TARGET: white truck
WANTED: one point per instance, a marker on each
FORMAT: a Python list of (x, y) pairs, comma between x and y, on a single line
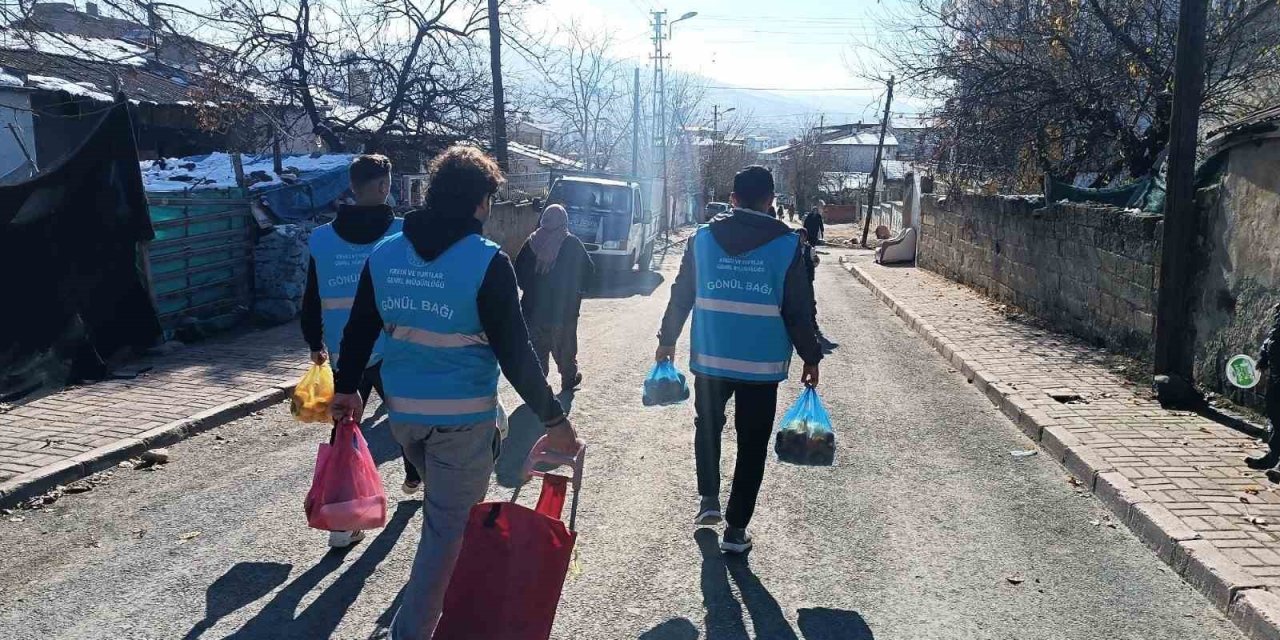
[(612, 218)]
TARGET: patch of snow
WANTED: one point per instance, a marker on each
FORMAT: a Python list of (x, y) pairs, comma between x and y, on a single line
[(73, 46), (7, 80), (214, 171), (83, 89)]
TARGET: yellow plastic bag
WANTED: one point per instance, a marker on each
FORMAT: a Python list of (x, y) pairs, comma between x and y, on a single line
[(313, 394)]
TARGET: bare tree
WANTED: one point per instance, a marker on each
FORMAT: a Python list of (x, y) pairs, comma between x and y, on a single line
[(1070, 86), (584, 87), (373, 68)]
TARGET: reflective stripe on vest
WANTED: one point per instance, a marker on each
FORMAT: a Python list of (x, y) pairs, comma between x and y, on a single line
[(741, 366), (742, 308), (738, 332), (432, 339), (448, 406), (338, 267), (331, 304), (437, 367)]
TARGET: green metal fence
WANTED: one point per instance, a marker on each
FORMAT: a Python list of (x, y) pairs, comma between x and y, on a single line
[(201, 262)]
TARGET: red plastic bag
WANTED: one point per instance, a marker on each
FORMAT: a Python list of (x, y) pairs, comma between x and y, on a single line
[(346, 492)]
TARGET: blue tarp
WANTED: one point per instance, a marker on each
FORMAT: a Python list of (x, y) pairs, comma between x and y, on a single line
[(313, 191)]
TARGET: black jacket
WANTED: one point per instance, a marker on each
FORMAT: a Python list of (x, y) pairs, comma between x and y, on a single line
[(498, 303), (554, 298), (738, 232), (814, 224), (357, 225)]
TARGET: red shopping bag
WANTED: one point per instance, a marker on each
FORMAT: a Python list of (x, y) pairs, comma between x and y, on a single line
[(346, 492), (506, 585)]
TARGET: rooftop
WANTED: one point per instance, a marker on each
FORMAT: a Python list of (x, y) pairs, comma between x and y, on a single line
[(542, 156)]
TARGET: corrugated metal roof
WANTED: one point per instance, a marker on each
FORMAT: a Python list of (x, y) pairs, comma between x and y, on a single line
[(152, 82)]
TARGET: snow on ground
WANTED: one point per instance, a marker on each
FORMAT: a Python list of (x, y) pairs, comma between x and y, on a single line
[(85, 89), (64, 44), (7, 80), (214, 171)]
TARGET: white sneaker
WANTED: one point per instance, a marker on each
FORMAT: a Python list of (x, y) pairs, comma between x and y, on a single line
[(344, 539), (410, 488)]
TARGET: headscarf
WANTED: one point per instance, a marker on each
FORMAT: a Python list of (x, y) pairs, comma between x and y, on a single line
[(552, 230)]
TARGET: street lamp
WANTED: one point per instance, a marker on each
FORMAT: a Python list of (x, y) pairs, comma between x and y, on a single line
[(691, 14)]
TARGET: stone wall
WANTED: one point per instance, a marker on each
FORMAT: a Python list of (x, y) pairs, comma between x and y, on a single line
[(1085, 269), (510, 224), (1240, 279)]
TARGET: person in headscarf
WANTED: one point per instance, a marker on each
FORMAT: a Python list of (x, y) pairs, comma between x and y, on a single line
[(553, 269)]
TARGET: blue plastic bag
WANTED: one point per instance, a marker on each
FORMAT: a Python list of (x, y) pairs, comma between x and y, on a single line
[(805, 436), (665, 385)]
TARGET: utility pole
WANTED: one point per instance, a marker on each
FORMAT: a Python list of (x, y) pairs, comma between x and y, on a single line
[(635, 127), (499, 96), (875, 169), (1173, 335), (660, 107)]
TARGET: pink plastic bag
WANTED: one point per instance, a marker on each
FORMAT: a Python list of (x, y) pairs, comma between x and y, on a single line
[(346, 492)]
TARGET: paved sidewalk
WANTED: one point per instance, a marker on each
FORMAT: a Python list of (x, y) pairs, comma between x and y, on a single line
[(1175, 478), (81, 430)]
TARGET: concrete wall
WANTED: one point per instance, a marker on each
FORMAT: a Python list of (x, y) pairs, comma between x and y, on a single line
[(510, 224), (1087, 270), (1241, 278)]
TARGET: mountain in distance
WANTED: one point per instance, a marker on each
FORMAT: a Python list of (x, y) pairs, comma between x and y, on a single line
[(781, 115)]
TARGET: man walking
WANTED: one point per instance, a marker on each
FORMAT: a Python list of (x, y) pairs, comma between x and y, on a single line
[(447, 300), (814, 224), (338, 252), (744, 279), (553, 269)]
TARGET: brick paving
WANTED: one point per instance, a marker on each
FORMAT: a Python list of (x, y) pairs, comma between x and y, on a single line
[(1175, 470), (56, 428)]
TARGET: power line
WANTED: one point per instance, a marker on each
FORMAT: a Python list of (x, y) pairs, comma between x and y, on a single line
[(788, 89)]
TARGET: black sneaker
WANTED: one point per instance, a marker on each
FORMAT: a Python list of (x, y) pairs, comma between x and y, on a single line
[(576, 382), (709, 512), (1267, 460), (735, 541)]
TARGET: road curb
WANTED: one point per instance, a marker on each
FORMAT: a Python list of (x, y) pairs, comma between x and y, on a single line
[(1236, 592), (34, 483)]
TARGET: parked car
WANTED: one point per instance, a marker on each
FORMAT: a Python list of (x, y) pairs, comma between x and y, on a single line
[(714, 209), (611, 218)]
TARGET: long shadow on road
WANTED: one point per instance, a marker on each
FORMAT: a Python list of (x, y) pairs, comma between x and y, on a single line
[(724, 613), (322, 617)]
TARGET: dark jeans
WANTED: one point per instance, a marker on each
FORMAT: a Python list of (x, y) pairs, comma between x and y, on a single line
[(559, 342), (371, 380), (755, 405)]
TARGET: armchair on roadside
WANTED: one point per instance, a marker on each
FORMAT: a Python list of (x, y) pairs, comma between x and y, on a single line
[(902, 246)]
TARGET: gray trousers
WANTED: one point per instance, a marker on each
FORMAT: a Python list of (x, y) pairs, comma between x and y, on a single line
[(455, 463)]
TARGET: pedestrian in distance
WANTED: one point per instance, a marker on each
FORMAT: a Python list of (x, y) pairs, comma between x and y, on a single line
[(554, 269), (811, 264), (815, 226), (744, 279), (447, 300), (338, 252)]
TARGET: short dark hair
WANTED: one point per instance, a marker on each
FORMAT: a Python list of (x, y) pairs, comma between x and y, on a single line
[(754, 187), (461, 178), (367, 168)]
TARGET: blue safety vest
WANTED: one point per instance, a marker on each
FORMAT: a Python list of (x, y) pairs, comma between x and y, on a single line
[(338, 267), (437, 367), (738, 331)]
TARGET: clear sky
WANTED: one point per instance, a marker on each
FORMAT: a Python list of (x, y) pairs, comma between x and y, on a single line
[(802, 45)]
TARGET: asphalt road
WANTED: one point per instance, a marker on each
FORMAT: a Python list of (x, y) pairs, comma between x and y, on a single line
[(914, 534)]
